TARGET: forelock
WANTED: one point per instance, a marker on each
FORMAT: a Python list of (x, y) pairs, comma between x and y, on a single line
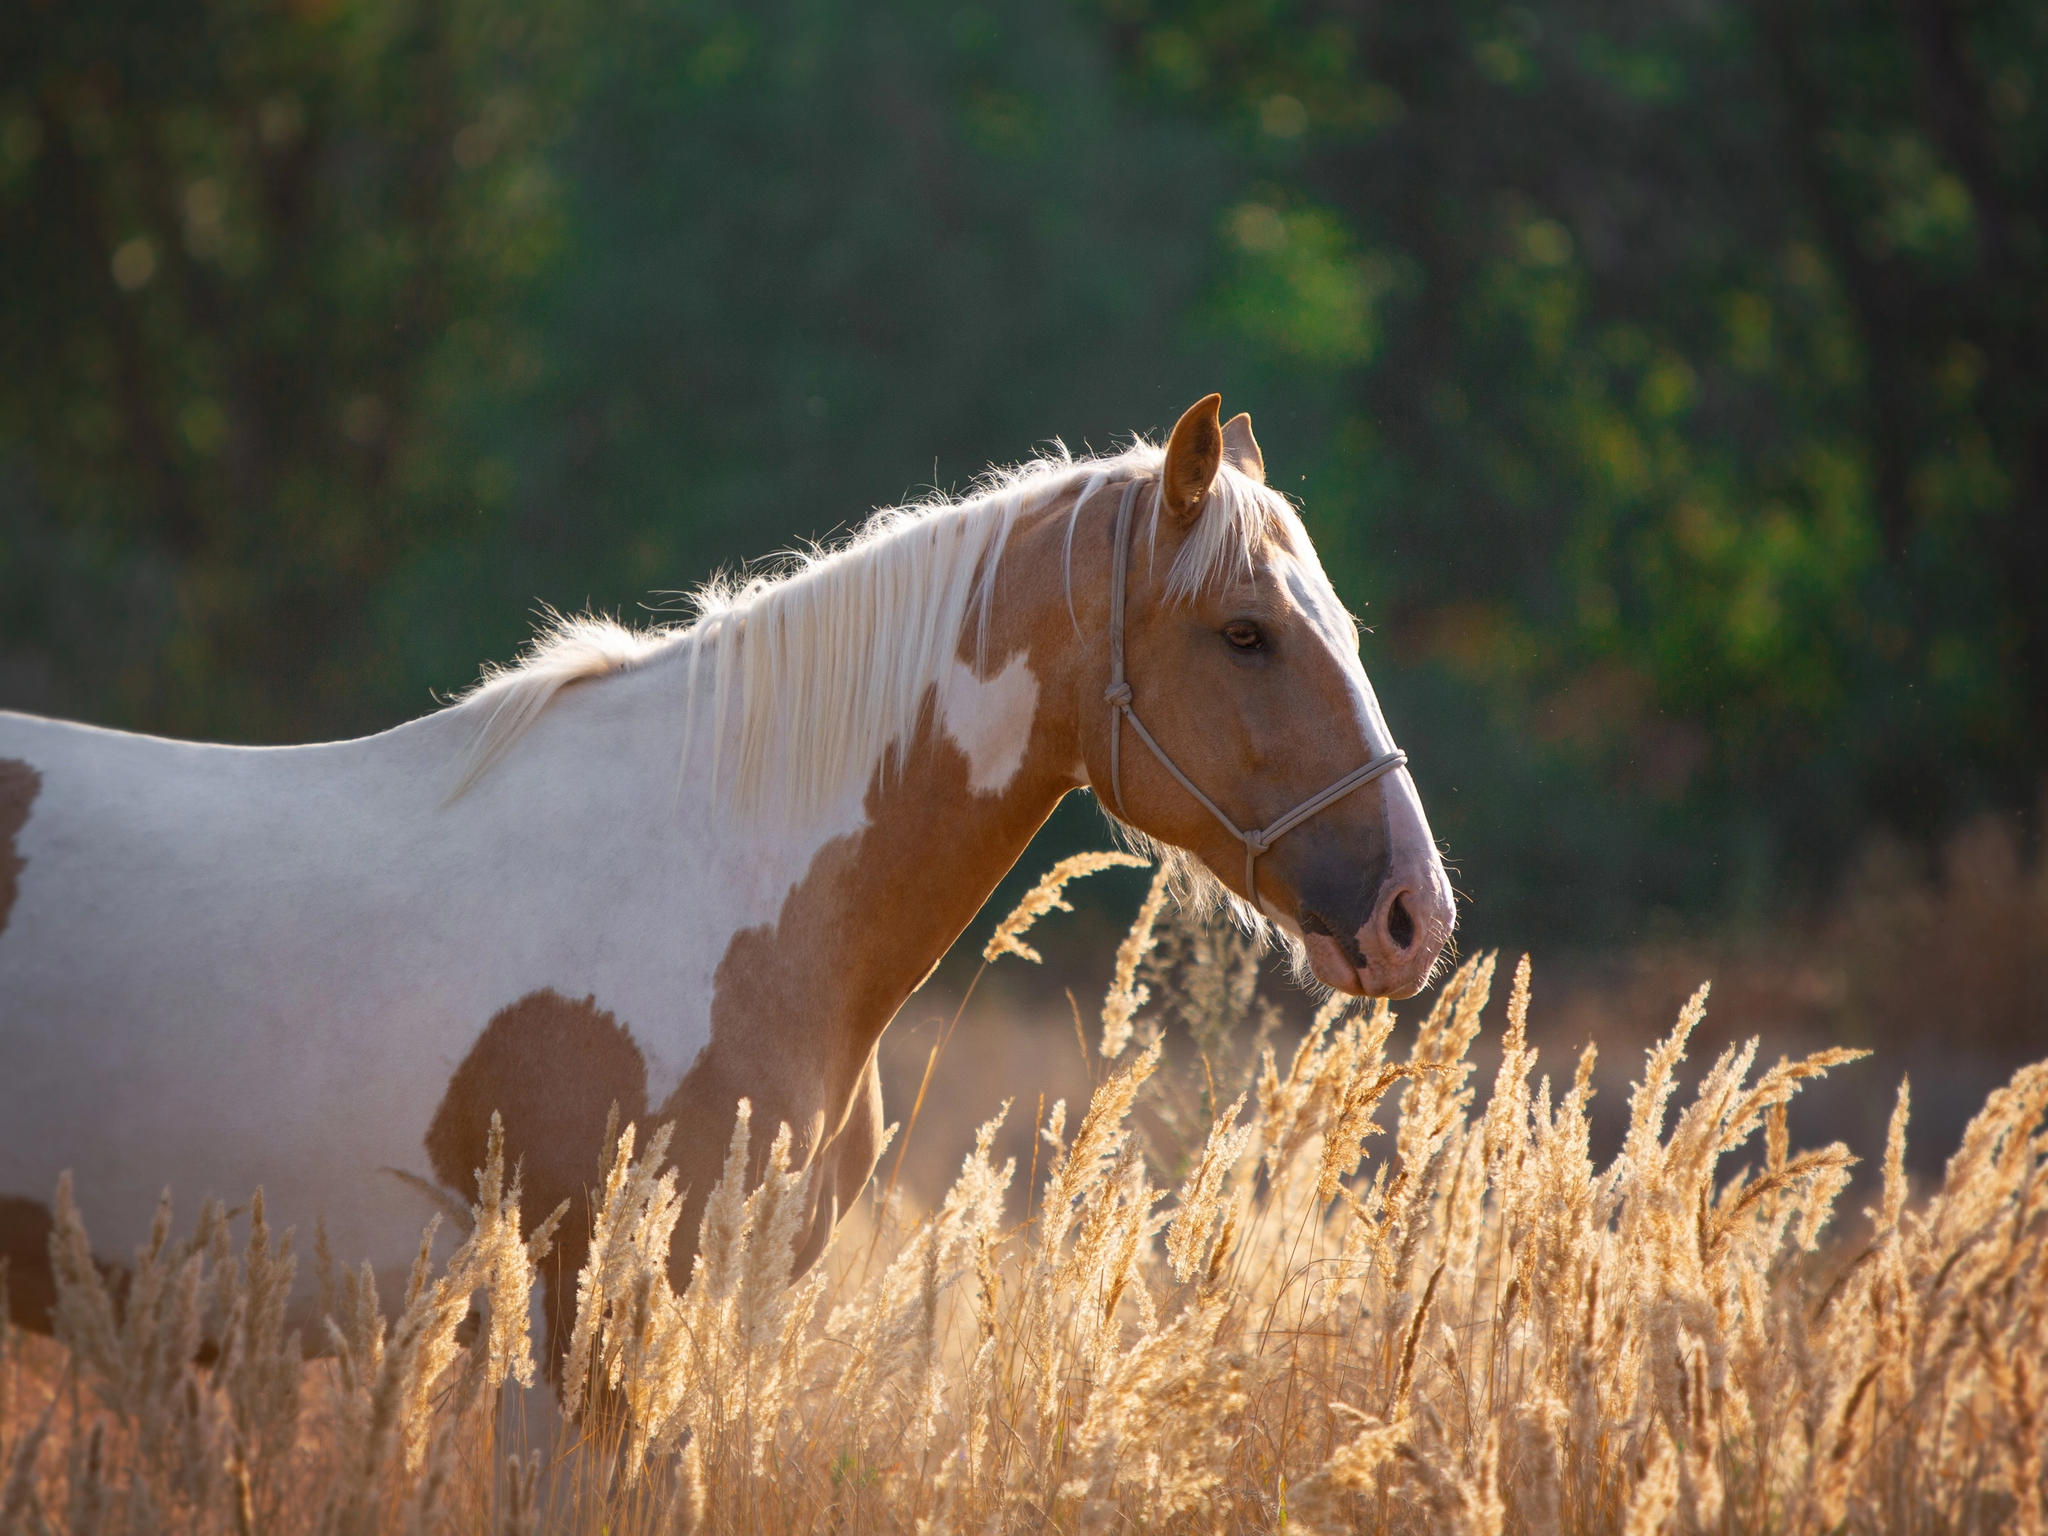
[(1239, 517)]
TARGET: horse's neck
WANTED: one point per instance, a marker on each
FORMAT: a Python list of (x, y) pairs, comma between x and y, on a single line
[(881, 899), (831, 917)]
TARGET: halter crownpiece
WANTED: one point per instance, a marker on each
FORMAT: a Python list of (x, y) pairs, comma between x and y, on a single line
[(1118, 697)]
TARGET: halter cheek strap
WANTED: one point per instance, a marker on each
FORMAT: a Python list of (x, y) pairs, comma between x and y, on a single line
[(1118, 697)]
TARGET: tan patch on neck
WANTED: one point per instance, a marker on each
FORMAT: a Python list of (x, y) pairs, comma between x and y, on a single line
[(552, 1069), (799, 1006), (19, 786)]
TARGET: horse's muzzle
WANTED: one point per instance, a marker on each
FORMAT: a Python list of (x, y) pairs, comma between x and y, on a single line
[(1393, 953)]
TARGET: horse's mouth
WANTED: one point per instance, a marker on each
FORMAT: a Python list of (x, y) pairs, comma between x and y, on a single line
[(1333, 955)]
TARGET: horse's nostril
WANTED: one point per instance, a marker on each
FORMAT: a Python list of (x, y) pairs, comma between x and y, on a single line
[(1401, 922)]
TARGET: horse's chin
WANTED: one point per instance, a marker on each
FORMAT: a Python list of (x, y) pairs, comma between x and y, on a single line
[(1330, 966)]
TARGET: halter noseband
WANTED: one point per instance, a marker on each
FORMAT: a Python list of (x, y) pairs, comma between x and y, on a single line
[(1118, 697)]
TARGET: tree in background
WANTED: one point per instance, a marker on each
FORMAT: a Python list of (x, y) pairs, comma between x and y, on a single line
[(254, 293), (341, 334), (1687, 372)]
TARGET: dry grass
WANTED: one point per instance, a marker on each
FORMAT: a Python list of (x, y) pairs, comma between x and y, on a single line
[(1237, 1302), (1955, 944), (1938, 963)]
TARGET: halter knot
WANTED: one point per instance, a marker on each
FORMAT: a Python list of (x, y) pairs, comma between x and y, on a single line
[(1117, 695), (1257, 842)]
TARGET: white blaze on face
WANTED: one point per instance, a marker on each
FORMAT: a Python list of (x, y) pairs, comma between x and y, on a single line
[(1412, 847), (990, 721), (1313, 595)]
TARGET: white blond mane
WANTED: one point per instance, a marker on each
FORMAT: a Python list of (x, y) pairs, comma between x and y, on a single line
[(829, 657)]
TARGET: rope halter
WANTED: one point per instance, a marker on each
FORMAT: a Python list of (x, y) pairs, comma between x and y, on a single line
[(1118, 697)]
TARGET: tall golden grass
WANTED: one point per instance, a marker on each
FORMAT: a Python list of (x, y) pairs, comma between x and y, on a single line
[(1237, 1302)]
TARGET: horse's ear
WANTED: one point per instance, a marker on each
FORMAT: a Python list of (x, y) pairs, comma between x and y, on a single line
[(1193, 454), (1242, 449)]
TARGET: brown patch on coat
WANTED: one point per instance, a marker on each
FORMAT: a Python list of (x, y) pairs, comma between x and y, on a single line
[(552, 1069), (25, 1227), (19, 786), (799, 1006)]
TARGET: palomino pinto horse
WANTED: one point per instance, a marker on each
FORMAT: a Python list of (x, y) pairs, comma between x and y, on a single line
[(668, 870)]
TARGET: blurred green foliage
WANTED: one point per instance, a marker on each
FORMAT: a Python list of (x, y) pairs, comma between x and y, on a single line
[(1665, 383), (1694, 371)]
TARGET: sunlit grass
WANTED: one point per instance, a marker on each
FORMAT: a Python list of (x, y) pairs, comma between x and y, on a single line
[(1239, 1302)]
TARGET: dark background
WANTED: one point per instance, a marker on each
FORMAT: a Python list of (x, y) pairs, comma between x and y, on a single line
[(1664, 383)]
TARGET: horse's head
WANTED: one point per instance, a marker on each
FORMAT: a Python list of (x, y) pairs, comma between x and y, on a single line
[(1242, 669)]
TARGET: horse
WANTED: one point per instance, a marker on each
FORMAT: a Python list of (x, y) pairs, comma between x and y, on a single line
[(666, 869)]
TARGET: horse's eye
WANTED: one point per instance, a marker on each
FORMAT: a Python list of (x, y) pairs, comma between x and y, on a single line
[(1245, 635)]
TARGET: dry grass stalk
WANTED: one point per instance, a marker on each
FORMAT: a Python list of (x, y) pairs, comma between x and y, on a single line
[(1049, 896), (1127, 994)]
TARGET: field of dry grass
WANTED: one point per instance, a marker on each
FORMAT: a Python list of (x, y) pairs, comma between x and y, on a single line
[(1260, 1282)]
